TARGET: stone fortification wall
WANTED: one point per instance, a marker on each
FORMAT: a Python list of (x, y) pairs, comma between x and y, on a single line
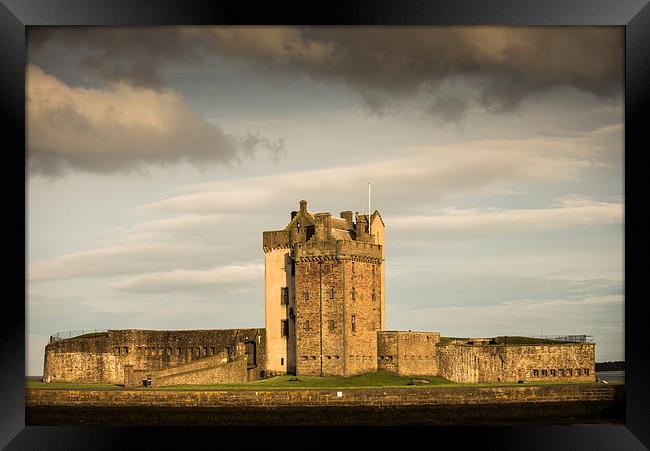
[(337, 316), (102, 359), (324, 397), (407, 353), (221, 372), (512, 362)]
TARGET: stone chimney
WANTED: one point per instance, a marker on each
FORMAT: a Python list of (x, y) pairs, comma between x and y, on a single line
[(362, 227), (323, 226), (303, 207), (347, 215)]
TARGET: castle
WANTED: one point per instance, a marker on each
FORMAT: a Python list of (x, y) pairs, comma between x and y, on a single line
[(324, 285)]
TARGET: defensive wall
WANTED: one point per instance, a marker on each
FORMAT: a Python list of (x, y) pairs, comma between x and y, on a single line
[(120, 356), (408, 353), (550, 404), (478, 363)]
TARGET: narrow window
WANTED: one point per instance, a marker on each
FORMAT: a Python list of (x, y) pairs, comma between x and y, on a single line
[(284, 295), (552, 373), (354, 323), (561, 372), (373, 298), (293, 267), (331, 293), (189, 351), (284, 327), (212, 350), (306, 294), (577, 371), (126, 350), (332, 325), (585, 371), (198, 352), (281, 361), (569, 372), (544, 373), (535, 373), (307, 326), (353, 293), (117, 351)]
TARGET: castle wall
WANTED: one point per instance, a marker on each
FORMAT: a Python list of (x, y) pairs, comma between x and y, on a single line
[(361, 351), (102, 359), (407, 353), (275, 278), (233, 372), (511, 363)]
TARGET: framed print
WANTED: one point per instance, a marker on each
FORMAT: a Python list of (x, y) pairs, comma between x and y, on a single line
[(379, 214)]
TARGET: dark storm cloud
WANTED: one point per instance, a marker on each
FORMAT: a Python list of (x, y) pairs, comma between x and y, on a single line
[(500, 66)]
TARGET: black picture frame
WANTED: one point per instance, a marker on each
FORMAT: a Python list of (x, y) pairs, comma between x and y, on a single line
[(634, 15)]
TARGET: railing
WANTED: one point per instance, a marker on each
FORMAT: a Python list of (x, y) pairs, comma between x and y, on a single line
[(568, 338), (74, 333)]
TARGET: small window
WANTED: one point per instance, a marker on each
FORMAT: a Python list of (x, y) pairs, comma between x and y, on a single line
[(281, 361), (198, 352), (585, 371), (354, 323), (544, 373), (577, 371), (284, 295), (354, 292), (126, 350), (307, 325), (212, 350), (331, 293), (190, 351), (569, 372), (561, 372), (552, 373), (284, 327), (535, 373), (373, 298), (306, 295), (117, 350)]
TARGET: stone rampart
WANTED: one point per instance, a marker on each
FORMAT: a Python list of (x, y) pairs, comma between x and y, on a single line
[(319, 397), (222, 372), (107, 358), (513, 362), (407, 353)]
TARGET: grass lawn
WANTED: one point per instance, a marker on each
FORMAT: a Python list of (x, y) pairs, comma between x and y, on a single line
[(31, 383)]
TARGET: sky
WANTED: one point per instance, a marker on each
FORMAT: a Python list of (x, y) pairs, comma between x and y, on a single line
[(158, 156)]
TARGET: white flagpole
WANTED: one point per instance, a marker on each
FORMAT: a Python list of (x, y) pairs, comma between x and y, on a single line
[(369, 210)]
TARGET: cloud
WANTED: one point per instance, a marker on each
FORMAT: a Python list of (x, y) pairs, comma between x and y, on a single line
[(422, 174), (495, 68), (473, 222), (191, 280), (121, 127)]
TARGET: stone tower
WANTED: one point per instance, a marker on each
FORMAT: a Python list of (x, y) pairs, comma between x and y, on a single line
[(324, 293)]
